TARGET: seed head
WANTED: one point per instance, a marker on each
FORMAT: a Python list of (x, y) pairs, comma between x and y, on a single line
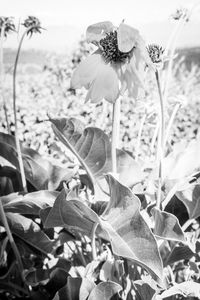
[(33, 24), (6, 25), (180, 13), (156, 54)]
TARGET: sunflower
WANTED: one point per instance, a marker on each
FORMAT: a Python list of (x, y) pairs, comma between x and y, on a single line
[(117, 65)]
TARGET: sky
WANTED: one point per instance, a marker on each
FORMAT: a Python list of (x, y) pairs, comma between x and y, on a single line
[(76, 15)]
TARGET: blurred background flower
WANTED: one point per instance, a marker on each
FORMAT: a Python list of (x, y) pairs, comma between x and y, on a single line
[(6, 25)]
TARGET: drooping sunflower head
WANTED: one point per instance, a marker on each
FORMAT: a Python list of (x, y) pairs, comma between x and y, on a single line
[(118, 65), (115, 43)]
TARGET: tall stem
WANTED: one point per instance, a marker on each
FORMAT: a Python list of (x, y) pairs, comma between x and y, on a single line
[(137, 151), (161, 141), (175, 110), (93, 242), (115, 133), (170, 51), (2, 79), (19, 153), (154, 138)]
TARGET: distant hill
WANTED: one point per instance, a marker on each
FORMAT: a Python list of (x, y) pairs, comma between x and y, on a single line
[(40, 57), (192, 55), (31, 56)]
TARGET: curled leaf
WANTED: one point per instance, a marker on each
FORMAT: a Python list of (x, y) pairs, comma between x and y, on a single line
[(129, 234)]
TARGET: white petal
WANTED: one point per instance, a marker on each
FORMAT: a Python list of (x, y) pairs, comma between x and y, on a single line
[(126, 37), (97, 31), (105, 86), (137, 72), (86, 71)]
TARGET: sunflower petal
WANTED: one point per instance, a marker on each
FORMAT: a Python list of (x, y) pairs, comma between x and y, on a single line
[(127, 82), (86, 71), (137, 72), (126, 37), (105, 86), (97, 31)]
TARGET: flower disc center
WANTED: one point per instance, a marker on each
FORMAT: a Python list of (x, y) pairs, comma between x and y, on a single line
[(110, 51)]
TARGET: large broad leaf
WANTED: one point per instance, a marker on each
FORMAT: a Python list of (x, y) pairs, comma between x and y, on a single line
[(144, 290), (167, 225), (30, 232), (9, 180), (76, 289), (39, 171), (35, 277), (186, 289), (112, 270), (183, 161), (179, 253), (71, 213), (93, 149), (129, 234), (191, 198), (30, 203), (105, 291)]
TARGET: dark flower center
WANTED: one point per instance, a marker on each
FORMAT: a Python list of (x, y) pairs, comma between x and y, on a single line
[(110, 51)]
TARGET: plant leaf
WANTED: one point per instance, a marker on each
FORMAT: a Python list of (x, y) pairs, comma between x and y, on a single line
[(39, 171), (30, 203), (36, 277), (9, 180), (71, 213), (76, 289), (167, 225), (129, 234), (30, 232), (179, 253), (58, 279), (183, 161), (105, 291), (191, 199), (144, 289), (93, 149), (186, 289)]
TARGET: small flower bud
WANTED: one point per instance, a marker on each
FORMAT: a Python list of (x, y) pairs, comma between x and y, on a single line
[(6, 25), (33, 24), (156, 54)]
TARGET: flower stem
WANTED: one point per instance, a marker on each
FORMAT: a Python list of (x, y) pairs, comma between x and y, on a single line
[(19, 153), (10, 237), (175, 110), (171, 51), (2, 79), (154, 138), (160, 142), (93, 243), (139, 136), (115, 133)]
